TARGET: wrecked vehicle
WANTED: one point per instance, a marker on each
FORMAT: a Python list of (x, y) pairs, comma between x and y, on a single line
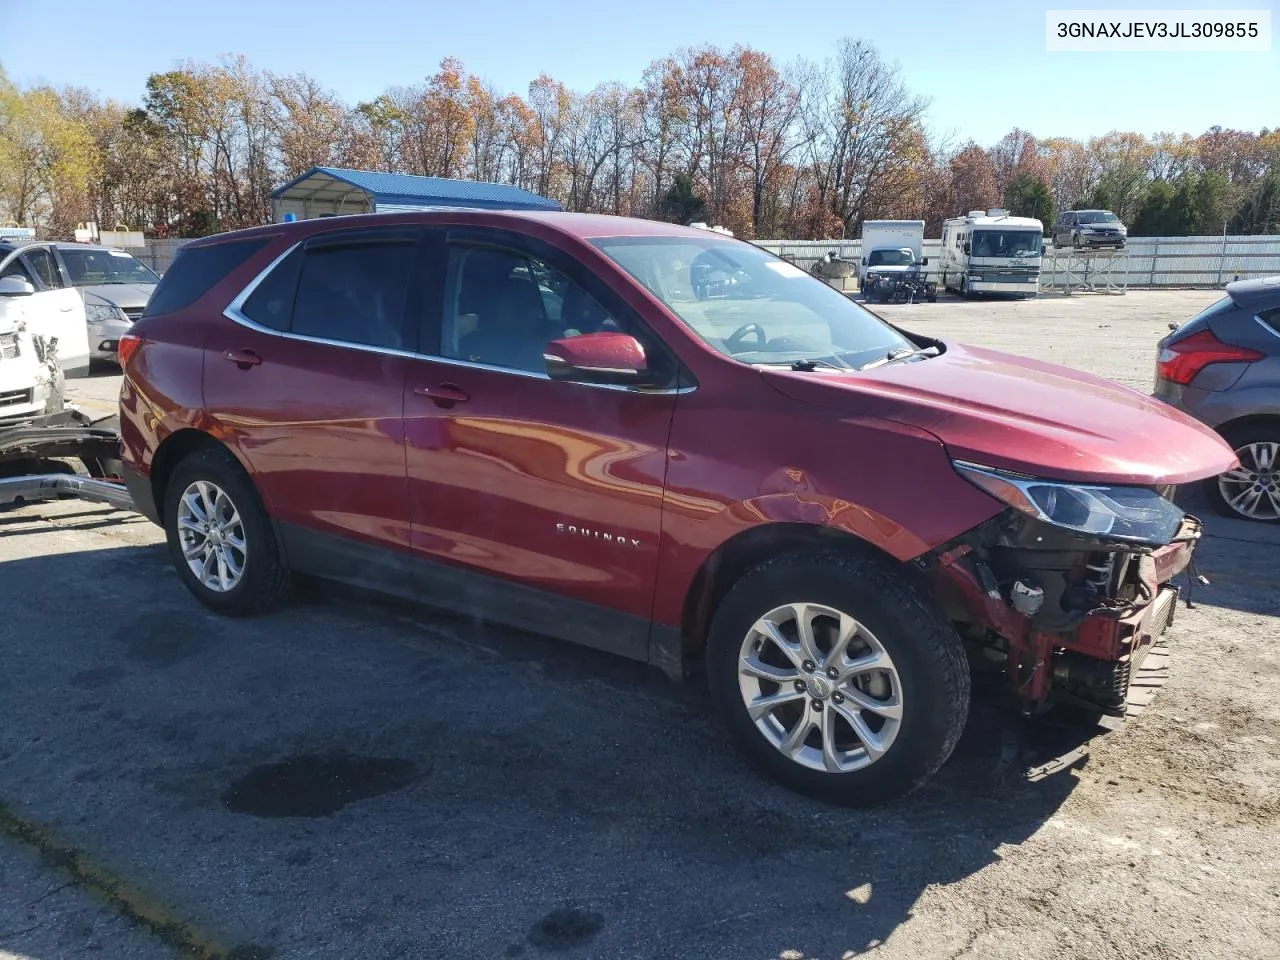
[(760, 481), (48, 449), (31, 379)]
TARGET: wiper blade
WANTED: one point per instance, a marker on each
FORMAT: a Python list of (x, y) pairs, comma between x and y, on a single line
[(901, 353), (805, 366)]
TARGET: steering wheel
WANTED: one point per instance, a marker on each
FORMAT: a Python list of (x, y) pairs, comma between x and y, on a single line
[(734, 340)]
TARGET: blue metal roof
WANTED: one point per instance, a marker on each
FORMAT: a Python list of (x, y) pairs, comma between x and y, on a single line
[(399, 189)]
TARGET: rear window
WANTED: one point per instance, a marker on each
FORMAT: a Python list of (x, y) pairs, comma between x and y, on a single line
[(1205, 318), (196, 269)]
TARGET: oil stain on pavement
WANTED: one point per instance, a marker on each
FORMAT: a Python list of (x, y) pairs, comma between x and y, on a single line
[(315, 785), (565, 928)]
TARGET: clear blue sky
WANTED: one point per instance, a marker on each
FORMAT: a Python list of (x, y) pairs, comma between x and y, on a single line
[(1005, 79)]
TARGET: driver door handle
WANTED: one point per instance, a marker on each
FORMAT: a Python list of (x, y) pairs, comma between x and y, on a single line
[(444, 395), (244, 359)]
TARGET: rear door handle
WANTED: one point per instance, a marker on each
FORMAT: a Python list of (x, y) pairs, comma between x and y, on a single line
[(444, 395), (244, 359)]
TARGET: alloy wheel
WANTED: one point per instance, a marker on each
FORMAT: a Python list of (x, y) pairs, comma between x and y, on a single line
[(820, 687), (212, 536), (1253, 488)]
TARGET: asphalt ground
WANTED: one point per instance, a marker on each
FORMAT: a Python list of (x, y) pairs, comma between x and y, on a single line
[(349, 778)]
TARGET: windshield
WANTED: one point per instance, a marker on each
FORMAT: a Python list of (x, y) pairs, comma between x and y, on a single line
[(891, 258), (751, 305), (89, 268), (1006, 243), (1097, 216)]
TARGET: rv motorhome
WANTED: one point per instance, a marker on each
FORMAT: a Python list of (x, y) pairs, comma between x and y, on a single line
[(992, 252)]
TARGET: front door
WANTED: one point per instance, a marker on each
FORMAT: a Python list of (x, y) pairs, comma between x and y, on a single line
[(306, 378), (538, 502), (54, 311)]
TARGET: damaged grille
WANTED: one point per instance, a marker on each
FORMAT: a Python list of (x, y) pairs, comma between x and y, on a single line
[(8, 346)]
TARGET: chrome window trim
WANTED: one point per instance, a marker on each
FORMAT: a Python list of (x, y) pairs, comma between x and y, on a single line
[(1266, 326), (234, 312)]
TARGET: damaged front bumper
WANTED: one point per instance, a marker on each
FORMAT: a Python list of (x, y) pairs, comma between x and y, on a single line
[(1065, 619), (67, 434)]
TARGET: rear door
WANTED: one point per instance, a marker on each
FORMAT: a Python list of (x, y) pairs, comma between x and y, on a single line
[(55, 310), (306, 377)]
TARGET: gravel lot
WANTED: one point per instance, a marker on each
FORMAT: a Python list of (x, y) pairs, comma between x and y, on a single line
[(348, 779)]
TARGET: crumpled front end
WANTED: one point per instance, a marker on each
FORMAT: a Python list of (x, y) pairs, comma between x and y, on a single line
[(1065, 617)]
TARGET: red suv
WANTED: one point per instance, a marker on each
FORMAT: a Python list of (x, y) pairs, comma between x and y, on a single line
[(671, 445)]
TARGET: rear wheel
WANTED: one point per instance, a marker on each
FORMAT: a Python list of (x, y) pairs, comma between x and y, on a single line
[(1252, 490), (220, 538), (837, 678)]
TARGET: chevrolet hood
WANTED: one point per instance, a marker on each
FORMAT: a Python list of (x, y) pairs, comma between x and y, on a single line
[(1019, 414)]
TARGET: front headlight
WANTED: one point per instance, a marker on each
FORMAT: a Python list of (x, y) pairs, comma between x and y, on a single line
[(102, 312), (1124, 513)]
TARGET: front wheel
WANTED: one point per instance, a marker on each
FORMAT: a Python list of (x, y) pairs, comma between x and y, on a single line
[(837, 677), (220, 538)]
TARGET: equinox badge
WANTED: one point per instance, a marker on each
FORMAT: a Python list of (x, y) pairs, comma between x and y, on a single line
[(597, 535)]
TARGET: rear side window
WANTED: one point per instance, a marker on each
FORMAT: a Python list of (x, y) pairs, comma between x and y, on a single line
[(271, 303), (352, 289), (195, 270)]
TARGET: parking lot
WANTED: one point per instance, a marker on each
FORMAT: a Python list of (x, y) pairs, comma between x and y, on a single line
[(353, 779)]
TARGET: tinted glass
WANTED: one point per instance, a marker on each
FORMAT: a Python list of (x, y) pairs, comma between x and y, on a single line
[(891, 258), (92, 267), (16, 268), (45, 268), (1098, 216), (1271, 320), (271, 303), (751, 305), (503, 307), (1006, 243), (353, 291), (195, 270)]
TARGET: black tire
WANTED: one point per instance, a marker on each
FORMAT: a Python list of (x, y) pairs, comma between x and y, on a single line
[(926, 652), (264, 583), (1239, 438)]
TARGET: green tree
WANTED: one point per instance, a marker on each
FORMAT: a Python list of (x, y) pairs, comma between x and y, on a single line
[(1158, 214), (1028, 196), (681, 204)]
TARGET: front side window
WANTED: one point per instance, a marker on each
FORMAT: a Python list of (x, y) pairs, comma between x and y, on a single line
[(1006, 243), (751, 305), (16, 268), (353, 289), (45, 268), (502, 307), (88, 268)]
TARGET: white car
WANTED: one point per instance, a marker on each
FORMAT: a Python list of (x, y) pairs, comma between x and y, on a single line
[(43, 334)]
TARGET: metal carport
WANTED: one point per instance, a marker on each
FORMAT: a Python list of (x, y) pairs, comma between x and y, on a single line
[(334, 191)]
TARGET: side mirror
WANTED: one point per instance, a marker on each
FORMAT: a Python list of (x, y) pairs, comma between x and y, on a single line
[(966, 246), (864, 261), (924, 261), (15, 287), (601, 358), (1043, 249)]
